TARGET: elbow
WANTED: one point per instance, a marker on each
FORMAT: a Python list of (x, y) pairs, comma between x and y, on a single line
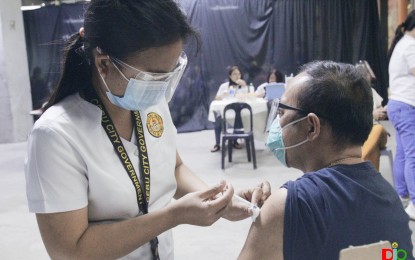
[(75, 253), (61, 254), (70, 251)]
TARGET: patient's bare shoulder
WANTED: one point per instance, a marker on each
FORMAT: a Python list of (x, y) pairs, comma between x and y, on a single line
[(265, 238)]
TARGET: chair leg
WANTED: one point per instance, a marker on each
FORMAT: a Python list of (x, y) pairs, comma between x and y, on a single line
[(390, 159), (253, 152), (223, 154), (230, 146), (248, 149)]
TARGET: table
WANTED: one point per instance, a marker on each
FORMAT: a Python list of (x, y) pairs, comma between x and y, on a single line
[(259, 114)]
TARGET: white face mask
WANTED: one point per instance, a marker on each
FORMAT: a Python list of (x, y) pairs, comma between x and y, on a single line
[(147, 89)]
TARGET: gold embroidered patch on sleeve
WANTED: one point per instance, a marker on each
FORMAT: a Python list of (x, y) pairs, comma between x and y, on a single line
[(155, 124)]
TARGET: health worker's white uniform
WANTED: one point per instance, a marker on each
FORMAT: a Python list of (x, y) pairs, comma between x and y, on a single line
[(71, 164)]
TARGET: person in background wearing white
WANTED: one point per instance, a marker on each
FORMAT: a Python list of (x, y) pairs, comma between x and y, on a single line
[(378, 136), (102, 166), (401, 109), (238, 85), (273, 76)]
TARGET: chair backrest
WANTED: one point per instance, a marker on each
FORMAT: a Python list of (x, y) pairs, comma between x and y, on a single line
[(237, 108), (274, 90), (364, 252)]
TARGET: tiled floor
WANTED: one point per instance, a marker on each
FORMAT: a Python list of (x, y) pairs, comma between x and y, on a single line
[(20, 239)]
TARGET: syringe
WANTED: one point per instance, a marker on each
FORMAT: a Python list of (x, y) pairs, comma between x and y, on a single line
[(255, 209)]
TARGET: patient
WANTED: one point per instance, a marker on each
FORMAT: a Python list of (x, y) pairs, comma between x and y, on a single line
[(323, 119)]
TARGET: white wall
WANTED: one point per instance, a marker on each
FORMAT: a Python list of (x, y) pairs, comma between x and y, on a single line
[(15, 96)]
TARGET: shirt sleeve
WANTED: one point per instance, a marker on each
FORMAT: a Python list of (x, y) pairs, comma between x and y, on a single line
[(377, 99), (56, 179), (222, 88), (410, 56), (261, 89), (304, 226), (244, 89)]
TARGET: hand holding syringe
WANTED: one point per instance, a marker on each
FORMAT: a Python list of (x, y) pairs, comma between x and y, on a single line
[(255, 209), (241, 205)]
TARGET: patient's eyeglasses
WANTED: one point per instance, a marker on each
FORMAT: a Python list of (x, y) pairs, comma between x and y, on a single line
[(274, 111), (277, 104)]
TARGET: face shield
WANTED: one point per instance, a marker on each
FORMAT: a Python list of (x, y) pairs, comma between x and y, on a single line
[(274, 112), (171, 78)]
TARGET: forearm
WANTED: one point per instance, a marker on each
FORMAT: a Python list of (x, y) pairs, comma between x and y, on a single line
[(107, 241), (187, 181)]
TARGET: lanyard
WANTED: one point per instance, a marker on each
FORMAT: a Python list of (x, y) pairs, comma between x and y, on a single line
[(143, 198)]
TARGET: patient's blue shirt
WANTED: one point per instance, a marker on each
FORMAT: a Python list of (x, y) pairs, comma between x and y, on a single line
[(344, 205)]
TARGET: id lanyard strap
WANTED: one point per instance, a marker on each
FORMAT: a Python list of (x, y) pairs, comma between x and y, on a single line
[(144, 164)]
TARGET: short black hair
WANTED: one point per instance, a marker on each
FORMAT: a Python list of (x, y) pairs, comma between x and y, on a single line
[(230, 70), (278, 75), (342, 95)]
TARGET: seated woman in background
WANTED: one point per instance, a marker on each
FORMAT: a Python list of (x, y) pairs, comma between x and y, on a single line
[(273, 76), (236, 83), (378, 136)]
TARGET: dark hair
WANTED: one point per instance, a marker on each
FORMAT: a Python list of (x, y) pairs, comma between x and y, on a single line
[(118, 28), (230, 70), (341, 94), (278, 75), (408, 25), (365, 67)]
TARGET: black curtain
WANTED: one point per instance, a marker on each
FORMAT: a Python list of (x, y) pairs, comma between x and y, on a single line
[(233, 32), (46, 30), (256, 35), (344, 31)]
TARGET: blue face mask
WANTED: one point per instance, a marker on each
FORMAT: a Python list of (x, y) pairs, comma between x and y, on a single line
[(275, 141), (147, 89), (139, 94)]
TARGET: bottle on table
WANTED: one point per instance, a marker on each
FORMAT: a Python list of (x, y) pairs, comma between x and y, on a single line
[(251, 88)]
